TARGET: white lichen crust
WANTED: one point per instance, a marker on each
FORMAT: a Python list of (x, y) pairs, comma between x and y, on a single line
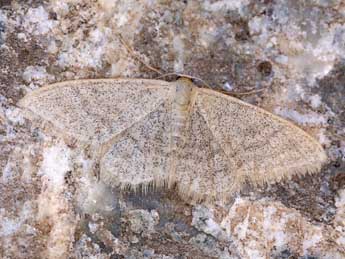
[(153, 132)]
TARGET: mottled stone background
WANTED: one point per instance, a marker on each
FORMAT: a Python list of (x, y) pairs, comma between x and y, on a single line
[(293, 50)]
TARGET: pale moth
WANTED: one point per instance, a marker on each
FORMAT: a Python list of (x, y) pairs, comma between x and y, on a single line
[(173, 133)]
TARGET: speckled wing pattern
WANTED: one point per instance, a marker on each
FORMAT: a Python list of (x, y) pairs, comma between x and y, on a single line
[(96, 110), (141, 155), (151, 131), (230, 142)]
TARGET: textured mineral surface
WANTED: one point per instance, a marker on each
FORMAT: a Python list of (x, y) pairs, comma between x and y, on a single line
[(289, 54)]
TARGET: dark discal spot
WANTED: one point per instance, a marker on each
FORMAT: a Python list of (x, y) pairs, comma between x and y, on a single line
[(265, 68)]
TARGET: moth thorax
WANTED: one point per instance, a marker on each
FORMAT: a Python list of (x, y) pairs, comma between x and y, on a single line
[(180, 109), (184, 89)]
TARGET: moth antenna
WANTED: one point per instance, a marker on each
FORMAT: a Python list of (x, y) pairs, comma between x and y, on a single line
[(135, 56), (186, 76), (162, 74), (237, 94)]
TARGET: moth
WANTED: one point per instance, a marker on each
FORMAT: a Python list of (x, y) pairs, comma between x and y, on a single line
[(205, 143)]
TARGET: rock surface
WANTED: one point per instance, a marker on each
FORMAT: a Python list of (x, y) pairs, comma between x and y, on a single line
[(292, 52)]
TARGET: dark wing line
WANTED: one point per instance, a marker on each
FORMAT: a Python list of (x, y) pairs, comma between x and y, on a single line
[(105, 146), (294, 170), (148, 84), (213, 137), (275, 117)]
